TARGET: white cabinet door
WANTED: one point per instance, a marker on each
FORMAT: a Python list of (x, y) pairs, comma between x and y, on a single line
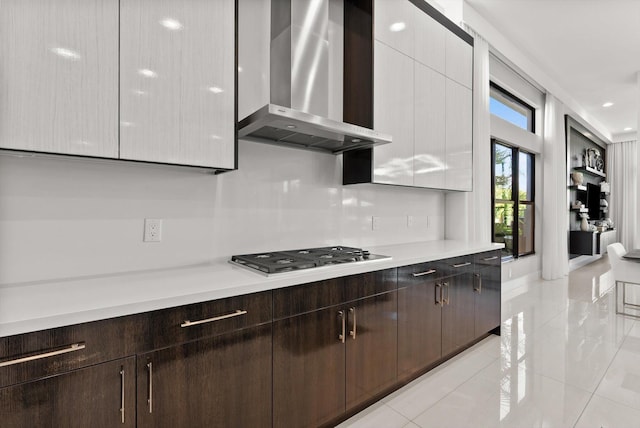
[(459, 137), (177, 78), (59, 76), (459, 60), (429, 120), (430, 41), (393, 107), (394, 24)]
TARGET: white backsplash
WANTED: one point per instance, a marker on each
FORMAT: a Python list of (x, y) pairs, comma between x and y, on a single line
[(65, 218)]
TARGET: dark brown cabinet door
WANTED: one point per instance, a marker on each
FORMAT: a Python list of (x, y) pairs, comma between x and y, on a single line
[(99, 396), (419, 319), (221, 381), (458, 312), (372, 343), (309, 368), (488, 294)]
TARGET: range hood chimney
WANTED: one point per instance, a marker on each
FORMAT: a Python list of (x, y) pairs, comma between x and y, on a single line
[(304, 93)]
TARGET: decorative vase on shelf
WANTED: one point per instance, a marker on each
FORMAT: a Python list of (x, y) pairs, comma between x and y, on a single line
[(584, 224), (577, 178)]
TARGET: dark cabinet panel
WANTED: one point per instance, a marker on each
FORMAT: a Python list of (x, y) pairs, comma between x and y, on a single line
[(187, 323), (419, 319), (458, 312), (296, 300), (102, 395), (309, 368), (371, 364), (488, 289), (220, 381)]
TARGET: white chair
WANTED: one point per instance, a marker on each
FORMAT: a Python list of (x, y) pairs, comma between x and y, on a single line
[(625, 272)]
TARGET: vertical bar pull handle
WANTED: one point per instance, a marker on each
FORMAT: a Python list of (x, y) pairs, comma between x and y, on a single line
[(438, 294), (479, 282), (150, 387), (122, 394), (341, 336), (352, 333), (446, 299)]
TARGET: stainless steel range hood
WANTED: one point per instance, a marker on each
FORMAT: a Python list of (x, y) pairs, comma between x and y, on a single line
[(305, 92)]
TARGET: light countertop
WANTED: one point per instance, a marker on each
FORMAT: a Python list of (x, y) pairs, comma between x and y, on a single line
[(36, 306)]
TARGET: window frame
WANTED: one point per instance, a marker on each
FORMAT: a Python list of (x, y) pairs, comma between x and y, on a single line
[(515, 104), (515, 196)]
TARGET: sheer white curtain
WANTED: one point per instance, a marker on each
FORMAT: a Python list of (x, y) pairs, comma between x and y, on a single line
[(555, 260), (622, 174)]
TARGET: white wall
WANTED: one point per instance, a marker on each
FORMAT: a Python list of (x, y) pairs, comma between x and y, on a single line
[(62, 218)]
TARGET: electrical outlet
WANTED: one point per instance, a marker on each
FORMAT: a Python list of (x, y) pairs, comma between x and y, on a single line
[(409, 221), (152, 230), (375, 223)]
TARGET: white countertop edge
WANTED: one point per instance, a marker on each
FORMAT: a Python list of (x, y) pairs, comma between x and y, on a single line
[(32, 307)]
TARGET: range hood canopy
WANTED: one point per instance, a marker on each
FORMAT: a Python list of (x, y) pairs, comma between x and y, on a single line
[(302, 88)]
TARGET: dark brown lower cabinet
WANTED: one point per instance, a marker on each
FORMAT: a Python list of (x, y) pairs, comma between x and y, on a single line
[(488, 289), (327, 361), (221, 381), (98, 396), (458, 312), (372, 340), (419, 319), (308, 369)]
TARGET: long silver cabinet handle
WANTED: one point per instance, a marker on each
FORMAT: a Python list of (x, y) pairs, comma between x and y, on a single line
[(429, 272), (237, 313), (438, 291), (446, 299), (352, 333), (341, 336), (479, 278), (150, 387), (490, 258), (71, 348), (122, 394), (461, 264)]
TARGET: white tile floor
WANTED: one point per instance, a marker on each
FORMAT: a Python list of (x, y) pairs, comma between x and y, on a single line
[(565, 359)]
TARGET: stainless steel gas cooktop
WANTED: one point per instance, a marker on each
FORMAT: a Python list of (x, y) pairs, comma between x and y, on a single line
[(293, 260)]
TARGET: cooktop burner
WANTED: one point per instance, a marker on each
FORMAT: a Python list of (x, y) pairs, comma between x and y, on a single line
[(287, 261)]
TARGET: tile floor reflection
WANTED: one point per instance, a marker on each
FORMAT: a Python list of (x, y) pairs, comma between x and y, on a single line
[(564, 359)]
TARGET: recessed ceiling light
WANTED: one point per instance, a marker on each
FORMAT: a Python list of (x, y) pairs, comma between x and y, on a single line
[(607, 104), (628, 128), (215, 89)]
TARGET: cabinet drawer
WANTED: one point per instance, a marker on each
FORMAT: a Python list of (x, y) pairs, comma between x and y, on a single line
[(30, 356), (191, 322), (456, 265), (370, 284), (418, 274), (488, 258), (299, 299)]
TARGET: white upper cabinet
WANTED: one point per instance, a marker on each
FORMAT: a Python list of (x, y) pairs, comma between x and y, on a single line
[(59, 76), (177, 80), (459, 60), (430, 42), (394, 24), (422, 75), (429, 136), (459, 145), (393, 114)]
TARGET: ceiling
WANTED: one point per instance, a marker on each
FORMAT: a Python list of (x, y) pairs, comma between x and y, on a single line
[(591, 48)]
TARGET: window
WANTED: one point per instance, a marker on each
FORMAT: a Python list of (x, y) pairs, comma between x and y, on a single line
[(513, 199), (511, 109)]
